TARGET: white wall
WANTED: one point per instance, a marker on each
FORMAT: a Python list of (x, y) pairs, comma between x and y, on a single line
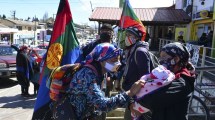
[(198, 7), (196, 4)]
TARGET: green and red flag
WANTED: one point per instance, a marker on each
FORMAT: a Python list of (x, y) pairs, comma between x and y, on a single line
[(129, 18), (63, 49)]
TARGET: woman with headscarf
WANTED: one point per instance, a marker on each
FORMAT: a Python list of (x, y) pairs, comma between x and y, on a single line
[(24, 70), (171, 101), (85, 95)]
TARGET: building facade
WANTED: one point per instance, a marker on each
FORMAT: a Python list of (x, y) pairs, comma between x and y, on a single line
[(26, 30), (7, 33), (201, 12)]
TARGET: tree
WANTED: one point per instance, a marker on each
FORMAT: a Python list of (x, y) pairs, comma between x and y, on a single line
[(45, 17), (35, 19), (4, 17), (28, 19)]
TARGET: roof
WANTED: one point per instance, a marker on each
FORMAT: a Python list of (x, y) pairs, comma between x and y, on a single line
[(21, 22), (3, 26), (146, 15)]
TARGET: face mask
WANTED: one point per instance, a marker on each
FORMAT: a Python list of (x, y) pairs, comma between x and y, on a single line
[(168, 63), (112, 67), (129, 41)]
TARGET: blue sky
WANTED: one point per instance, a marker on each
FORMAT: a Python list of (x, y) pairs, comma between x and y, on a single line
[(81, 9)]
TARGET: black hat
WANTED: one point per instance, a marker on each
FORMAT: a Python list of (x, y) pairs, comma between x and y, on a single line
[(177, 49), (106, 27), (135, 31)]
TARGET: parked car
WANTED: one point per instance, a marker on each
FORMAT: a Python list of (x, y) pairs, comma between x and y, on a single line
[(7, 61), (43, 45), (39, 52)]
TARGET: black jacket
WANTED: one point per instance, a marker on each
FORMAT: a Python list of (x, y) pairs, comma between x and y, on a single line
[(24, 71), (89, 47), (170, 102), (136, 65)]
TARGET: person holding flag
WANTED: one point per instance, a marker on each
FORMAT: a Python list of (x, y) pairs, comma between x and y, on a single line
[(63, 49), (138, 61)]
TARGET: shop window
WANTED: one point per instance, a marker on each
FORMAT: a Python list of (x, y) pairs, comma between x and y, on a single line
[(48, 32), (29, 28), (19, 27)]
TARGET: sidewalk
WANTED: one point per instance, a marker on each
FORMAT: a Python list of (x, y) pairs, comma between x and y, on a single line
[(13, 106)]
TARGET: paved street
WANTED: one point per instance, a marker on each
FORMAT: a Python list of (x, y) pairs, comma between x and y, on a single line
[(12, 105)]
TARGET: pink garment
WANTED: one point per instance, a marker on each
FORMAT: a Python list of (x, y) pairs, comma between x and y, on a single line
[(159, 77)]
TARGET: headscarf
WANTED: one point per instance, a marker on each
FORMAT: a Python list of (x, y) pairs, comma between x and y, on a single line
[(102, 52), (177, 49)]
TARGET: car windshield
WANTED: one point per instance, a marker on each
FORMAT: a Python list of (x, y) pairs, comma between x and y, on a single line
[(7, 50), (41, 52)]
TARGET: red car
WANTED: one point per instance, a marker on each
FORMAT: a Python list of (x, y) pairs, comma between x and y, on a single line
[(43, 45), (37, 53), (7, 61)]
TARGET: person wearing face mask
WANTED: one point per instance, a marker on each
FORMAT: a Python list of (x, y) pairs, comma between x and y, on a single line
[(85, 94), (137, 61), (105, 36), (24, 70), (171, 101)]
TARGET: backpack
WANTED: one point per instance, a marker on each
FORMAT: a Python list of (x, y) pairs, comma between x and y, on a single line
[(59, 80), (58, 83), (153, 59)]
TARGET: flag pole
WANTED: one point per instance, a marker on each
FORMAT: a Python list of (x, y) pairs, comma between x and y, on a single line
[(122, 23)]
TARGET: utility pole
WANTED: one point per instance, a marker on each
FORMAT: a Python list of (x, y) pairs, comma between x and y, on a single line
[(54, 18), (121, 3), (213, 40), (13, 14), (92, 12), (35, 28)]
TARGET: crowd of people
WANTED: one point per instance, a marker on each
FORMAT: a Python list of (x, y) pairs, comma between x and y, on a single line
[(102, 60)]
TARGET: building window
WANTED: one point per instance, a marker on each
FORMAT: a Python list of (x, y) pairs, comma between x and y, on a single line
[(29, 28), (39, 27), (19, 27)]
